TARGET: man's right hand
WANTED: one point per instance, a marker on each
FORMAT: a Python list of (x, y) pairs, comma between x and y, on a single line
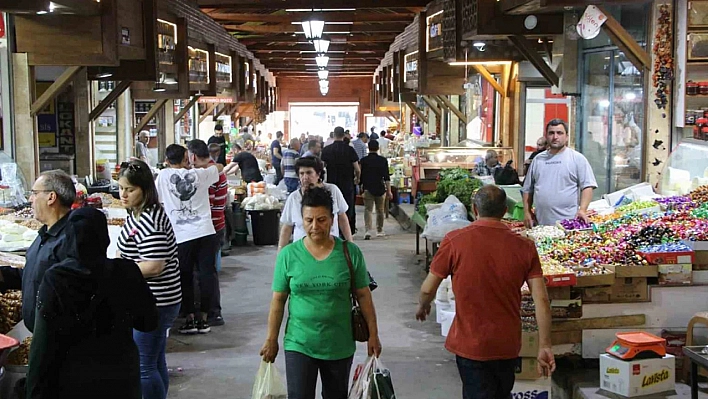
[(269, 351), (529, 219), (423, 312), (546, 362)]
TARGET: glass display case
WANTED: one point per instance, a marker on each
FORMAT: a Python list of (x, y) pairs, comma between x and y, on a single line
[(106, 125), (686, 168)]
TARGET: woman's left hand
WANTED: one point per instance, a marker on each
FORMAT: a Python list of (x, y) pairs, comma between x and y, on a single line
[(374, 345)]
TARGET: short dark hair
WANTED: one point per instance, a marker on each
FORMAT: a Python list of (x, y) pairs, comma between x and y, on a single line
[(490, 201), (175, 154), (218, 128), (338, 132), (214, 149), (309, 162), (198, 147), (61, 184), (331, 135), (318, 197), (278, 134), (362, 135), (312, 144), (373, 145), (139, 174), (383, 132), (556, 122)]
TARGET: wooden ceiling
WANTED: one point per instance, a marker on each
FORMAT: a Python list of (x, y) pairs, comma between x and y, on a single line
[(360, 31)]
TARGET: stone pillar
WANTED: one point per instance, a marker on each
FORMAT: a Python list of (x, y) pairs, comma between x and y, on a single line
[(85, 148), (26, 145)]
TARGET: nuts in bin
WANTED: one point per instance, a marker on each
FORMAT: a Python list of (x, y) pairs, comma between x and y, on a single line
[(20, 356), (10, 310)]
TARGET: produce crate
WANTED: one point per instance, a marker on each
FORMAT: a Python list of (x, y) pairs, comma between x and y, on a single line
[(676, 274), (560, 280), (594, 280), (567, 308), (668, 258), (624, 289), (634, 271)]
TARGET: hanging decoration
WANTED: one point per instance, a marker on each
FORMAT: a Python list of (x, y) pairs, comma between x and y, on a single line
[(663, 58)]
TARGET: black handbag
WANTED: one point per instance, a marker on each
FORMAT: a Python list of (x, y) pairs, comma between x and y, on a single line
[(360, 329)]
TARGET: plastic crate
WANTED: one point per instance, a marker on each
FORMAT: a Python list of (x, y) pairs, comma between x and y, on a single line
[(6, 346)]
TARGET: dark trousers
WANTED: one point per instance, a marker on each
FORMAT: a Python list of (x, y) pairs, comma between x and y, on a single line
[(278, 173), (350, 197), (301, 375), (199, 254), (492, 379)]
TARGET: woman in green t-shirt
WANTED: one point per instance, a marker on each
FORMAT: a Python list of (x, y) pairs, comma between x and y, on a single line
[(313, 274)]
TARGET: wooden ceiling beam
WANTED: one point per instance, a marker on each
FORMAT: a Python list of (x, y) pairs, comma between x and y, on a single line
[(289, 38), (304, 16), (279, 4), (308, 47), (332, 58), (389, 27)]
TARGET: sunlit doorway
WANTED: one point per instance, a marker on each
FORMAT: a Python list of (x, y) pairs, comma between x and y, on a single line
[(320, 119)]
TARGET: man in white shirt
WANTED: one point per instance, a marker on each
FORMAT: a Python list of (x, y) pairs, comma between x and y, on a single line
[(184, 193)]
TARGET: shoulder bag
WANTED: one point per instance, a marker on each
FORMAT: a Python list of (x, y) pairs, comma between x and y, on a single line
[(359, 327)]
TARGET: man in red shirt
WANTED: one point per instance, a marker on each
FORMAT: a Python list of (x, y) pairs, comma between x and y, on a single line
[(489, 264), (218, 196)]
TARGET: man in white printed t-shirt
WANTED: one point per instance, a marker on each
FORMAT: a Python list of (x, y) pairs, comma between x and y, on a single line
[(559, 182), (184, 194)]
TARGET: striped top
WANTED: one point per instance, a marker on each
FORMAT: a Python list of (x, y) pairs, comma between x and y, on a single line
[(218, 196), (288, 162), (151, 238)]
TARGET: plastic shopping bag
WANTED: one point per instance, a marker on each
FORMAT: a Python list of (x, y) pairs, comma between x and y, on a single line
[(269, 384), (362, 380), (372, 381)]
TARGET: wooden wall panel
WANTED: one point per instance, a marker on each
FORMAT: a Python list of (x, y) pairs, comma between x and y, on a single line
[(130, 17)]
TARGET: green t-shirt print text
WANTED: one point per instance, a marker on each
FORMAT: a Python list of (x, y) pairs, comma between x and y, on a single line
[(319, 307)]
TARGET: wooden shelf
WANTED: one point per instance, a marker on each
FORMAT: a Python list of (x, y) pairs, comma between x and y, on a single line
[(696, 96)]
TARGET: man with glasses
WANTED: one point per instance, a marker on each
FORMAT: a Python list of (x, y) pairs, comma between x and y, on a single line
[(53, 193)]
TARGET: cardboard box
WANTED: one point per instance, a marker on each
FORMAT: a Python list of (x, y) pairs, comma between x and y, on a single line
[(639, 377), (700, 266), (700, 276), (630, 289), (634, 271), (529, 344), (668, 258), (526, 368), (536, 389), (594, 280), (567, 308), (560, 280), (697, 245), (679, 274), (558, 292)]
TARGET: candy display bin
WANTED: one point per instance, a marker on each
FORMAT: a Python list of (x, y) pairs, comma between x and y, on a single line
[(686, 168)]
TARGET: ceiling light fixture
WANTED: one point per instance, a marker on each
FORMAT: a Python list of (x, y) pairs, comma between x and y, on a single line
[(322, 61), (321, 45), (313, 29), (479, 46), (323, 74), (158, 88)]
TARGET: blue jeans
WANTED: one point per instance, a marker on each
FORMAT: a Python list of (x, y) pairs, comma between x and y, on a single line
[(292, 184), (151, 345), (493, 379)]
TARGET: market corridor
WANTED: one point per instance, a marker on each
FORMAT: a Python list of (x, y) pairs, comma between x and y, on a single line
[(223, 364)]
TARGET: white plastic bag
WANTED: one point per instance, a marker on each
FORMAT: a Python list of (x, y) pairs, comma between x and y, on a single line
[(269, 384), (452, 215), (366, 385), (362, 380)]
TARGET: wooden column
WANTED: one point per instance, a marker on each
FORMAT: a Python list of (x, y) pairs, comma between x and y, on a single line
[(169, 123), (85, 154), (26, 145)]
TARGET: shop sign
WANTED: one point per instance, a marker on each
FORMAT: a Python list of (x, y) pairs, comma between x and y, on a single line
[(411, 64), (66, 126), (125, 36), (435, 37), (215, 100), (590, 23), (46, 120)]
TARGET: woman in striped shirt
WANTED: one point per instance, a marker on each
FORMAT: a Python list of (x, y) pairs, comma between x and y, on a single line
[(148, 240)]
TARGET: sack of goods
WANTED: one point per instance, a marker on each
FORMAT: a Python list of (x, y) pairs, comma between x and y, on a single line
[(269, 384), (452, 215)]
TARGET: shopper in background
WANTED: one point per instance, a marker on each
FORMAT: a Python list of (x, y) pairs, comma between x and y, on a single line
[(218, 138), (87, 308), (218, 196), (359, 144), (312, 275), (309, 171), (489, 264), (247, 163), (290, 155), (214, 151), (541, 146), (246, 136), (276, 155), (383, 144), (376, 183), (185, 195), (343, 171), (490, 164), (141, 148), (53, 193), (559, 183), (330, 140), (147, 239), (314, 148)]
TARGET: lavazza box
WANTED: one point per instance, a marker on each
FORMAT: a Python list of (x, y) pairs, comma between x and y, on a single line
[(638, 377)]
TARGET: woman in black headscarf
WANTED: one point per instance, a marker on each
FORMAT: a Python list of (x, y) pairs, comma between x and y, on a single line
[(87, 308)]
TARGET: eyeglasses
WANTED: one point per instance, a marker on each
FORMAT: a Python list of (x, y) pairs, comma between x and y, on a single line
[(35, 192), (131, 166)]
